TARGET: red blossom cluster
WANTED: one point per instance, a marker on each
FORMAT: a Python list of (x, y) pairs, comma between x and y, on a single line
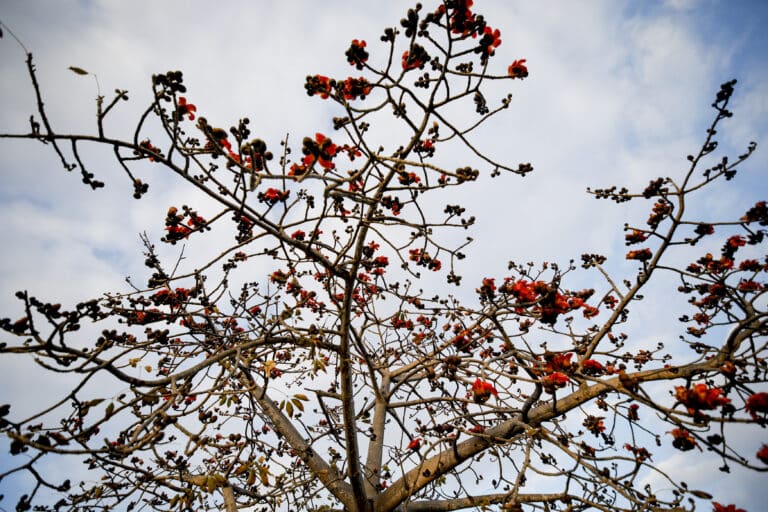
[(700, 397), (490, 40), (319, 85), (661, 210), (640, 255), (682, 439), (762, 454), (147, 316), (392, 203), (425, 148), (487, 290), (758, 213), (272, 196), (147, 145), (354, 88), (717, 507), (548, 303), (400, 322), (635, 237), (518, 69), (592, 367), (415, 444), (756, 405), (416, 57), (461, 20), (185, 109), (319, 151), (408, 178), (482, 391), (423, 259), (749, 286), (594, 424), (173, 298), (554, 370), (704, 229), (640, 453), (356, 54), (350, 88), (177, 228), (554, 381), (709, 264)]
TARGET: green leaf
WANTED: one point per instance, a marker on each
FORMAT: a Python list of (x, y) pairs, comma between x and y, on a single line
[(79, 71)]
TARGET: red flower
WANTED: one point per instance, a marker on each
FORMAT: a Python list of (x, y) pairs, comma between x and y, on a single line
[(408, 178), (145, 144), (700, 397), (554, 381), (592, 367), (186, 109), (488, 289), (594, 424), (352, 88), (319, 84), (491, 40), (321, 150), (635, 237), (279, 277), (683, 440), (750, 286), (757, 403), (298, 235), (640, 255), (751, 265), (725, 508), (640, 453), (762, 454), (356, 54), (415, 444), (178, 232), (736, 241), (518, 69), (704, 229), (557, 362), (417, 57), (759, 213), (482, 390), (272, 196)]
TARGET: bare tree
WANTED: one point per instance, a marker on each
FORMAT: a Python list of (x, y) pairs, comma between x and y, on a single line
[(348, 376)]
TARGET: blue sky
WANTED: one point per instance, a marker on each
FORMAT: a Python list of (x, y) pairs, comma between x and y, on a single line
[(619, 93)]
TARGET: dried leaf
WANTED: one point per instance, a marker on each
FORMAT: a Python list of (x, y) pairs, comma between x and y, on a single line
[(79, 71)]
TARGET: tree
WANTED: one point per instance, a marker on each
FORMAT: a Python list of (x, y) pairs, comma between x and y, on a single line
[(317, 363)]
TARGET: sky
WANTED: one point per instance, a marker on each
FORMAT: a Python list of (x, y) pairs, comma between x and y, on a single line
[(618, 93)]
